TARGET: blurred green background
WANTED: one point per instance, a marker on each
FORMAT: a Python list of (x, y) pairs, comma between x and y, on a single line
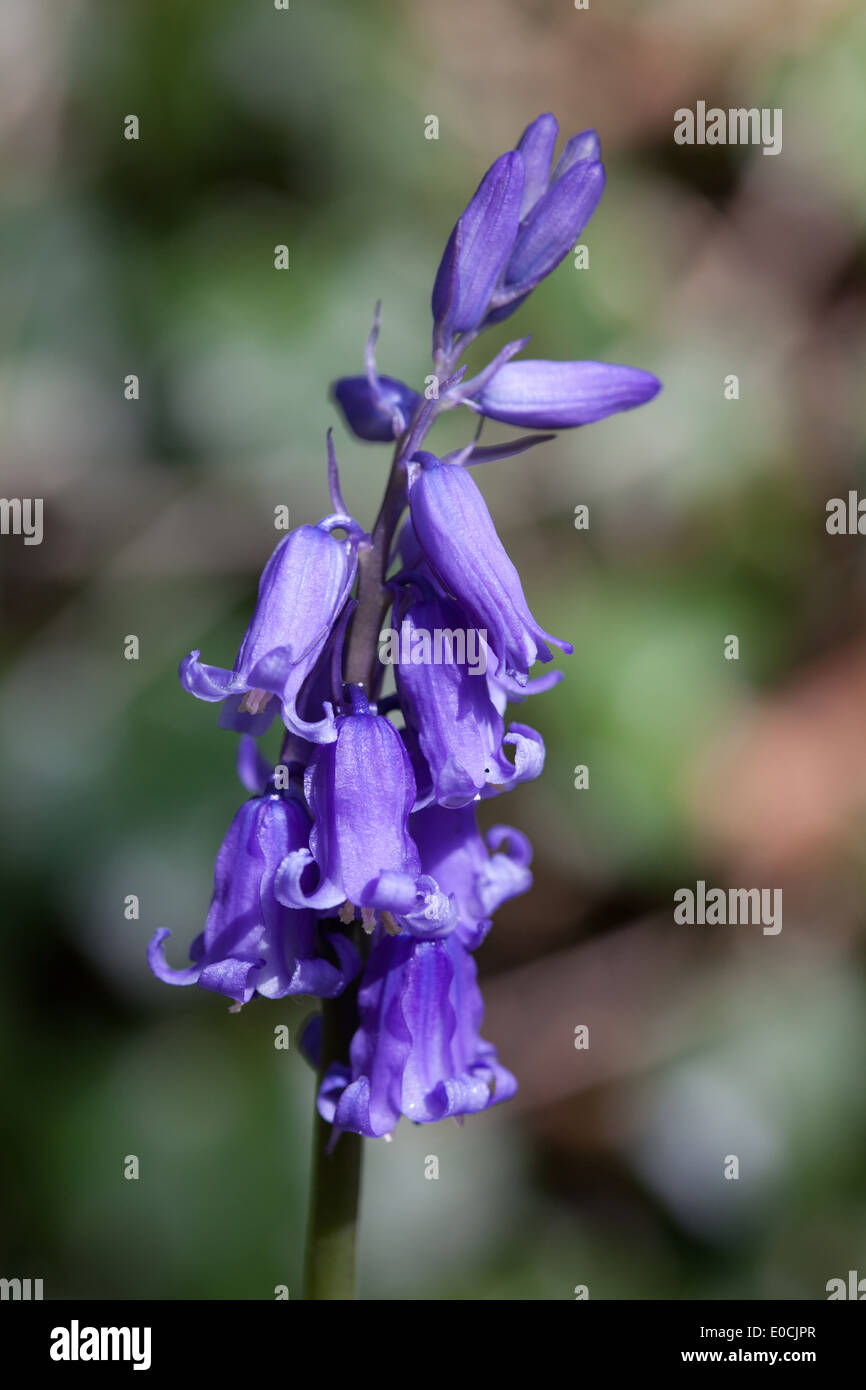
[(707, 515)]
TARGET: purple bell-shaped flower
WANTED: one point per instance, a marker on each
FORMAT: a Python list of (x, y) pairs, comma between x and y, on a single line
[(252, 943), (454, 529), (417, 1051), (361, 790), (303, 587), (441, 680)]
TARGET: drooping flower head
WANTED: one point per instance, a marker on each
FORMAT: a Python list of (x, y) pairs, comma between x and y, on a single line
[(368, 819)]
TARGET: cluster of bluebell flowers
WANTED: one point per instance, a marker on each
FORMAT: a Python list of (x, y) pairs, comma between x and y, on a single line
[(357, 865)]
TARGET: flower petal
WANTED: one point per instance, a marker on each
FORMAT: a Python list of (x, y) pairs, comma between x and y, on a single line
[(586, 145), (528, 760), (555, 223), (289, 888), (208, 682), (252, 941), (536, 145), (254, 771)]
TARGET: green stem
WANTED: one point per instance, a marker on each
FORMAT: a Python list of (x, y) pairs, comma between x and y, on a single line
[(336, 1176)]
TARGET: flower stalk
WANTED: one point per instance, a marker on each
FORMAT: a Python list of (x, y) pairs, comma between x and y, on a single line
[(335, 1180)]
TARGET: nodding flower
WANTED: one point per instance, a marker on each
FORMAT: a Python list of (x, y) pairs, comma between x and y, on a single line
[(303, 588), (477, 252), (418, 1050), (460, 732), (252, 943), (361, 791), (455, 531)]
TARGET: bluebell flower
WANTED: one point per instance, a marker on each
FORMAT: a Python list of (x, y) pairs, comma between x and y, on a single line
[(303, 587), (477, 251), (479, 876), (460, 733), (252, 943), (361, 791), (376, 413), (417, 1051), (453, 527), (559, 395)]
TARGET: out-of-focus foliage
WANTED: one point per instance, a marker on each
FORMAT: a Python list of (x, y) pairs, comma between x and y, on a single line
[(155, 257)]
